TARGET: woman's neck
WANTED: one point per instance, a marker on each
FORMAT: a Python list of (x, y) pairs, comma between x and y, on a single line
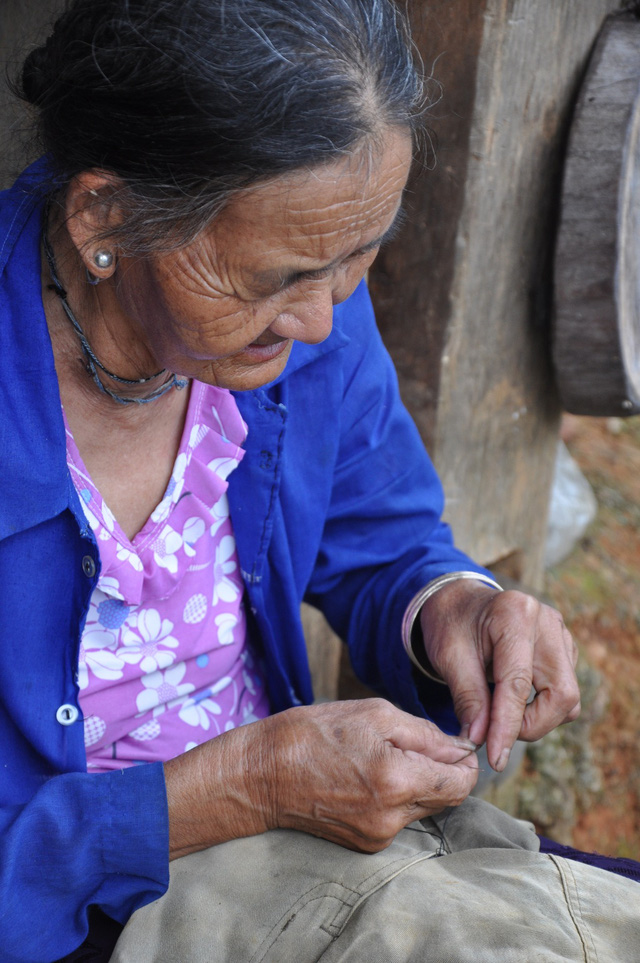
[(129, 450), (111, 336)]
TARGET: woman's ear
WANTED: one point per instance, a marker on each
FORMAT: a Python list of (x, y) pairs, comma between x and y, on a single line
[(91, 209)]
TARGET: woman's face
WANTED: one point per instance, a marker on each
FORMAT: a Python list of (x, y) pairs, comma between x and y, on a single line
[(227, 308)]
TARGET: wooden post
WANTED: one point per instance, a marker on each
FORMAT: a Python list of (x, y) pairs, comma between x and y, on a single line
[(463, 297)]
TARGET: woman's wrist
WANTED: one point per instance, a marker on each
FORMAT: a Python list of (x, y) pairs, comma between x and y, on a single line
[(412, 636), (220, 790)]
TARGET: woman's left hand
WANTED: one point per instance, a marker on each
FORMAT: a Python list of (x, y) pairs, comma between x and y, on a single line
[(473, 634)]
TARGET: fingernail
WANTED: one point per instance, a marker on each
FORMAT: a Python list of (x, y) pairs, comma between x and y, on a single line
[(503, 759), (465, 733), (465, 743)]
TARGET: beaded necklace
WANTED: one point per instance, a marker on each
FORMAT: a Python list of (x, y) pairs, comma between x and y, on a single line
[(93, 364)]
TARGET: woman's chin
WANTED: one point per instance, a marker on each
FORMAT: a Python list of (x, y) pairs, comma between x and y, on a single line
[(253, 367)]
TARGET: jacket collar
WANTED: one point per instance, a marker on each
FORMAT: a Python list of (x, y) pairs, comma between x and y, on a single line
[(32, 441)]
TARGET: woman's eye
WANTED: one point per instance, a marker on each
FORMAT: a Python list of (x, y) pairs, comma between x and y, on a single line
[(292, 280), (315, 275), (300, 278)]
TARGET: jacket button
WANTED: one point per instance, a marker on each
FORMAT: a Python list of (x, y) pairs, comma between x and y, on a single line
[(67, 714), (88, 566)]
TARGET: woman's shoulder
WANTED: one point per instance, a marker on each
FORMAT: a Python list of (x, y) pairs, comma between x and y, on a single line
[(18, 203)]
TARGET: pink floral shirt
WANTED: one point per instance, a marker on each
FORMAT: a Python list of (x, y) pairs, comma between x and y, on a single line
[(164, 660)]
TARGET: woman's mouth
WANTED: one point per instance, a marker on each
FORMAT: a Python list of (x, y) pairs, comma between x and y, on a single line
[(267, 346)]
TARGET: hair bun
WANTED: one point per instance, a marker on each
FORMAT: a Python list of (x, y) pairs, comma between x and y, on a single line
[(36, 75)]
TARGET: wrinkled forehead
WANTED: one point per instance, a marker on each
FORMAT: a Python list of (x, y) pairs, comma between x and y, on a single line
[(357, 193)]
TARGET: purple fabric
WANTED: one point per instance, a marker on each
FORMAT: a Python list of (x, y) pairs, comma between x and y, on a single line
[(164, 661), (613, 864)]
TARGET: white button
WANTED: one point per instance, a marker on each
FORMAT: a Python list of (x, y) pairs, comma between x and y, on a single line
[(67, 714)]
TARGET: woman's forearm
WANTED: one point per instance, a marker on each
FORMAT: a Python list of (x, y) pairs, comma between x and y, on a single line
[(218, 791)]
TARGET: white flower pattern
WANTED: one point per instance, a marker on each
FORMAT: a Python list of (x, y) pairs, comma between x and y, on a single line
[(195, 711), (174, 489), (193, 530), (224, 588), (164, 663), (142, 639), (104, 665), (97, 655), (124, 554), (166, 547), (220, 513), (163, 690), (222, 466), (226, 623)]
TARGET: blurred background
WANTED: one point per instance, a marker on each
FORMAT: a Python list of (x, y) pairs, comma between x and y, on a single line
[(582, 783)]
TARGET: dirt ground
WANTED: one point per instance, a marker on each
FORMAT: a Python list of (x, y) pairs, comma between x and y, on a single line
[(598, 590)]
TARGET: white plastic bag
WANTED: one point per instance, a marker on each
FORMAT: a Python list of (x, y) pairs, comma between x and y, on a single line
[(572, 508)]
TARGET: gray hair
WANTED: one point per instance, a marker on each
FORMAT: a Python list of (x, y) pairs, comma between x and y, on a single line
[(188, 102)]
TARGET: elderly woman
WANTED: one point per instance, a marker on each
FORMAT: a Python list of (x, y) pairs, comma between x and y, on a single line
[(200, 428)]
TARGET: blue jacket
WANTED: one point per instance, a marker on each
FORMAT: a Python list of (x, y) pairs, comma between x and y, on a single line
[(335, 502)]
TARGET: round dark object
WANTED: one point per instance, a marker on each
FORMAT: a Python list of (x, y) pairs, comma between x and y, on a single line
[(596, 338)]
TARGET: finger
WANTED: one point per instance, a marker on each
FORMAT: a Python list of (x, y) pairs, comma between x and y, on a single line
[(471, 697), (541, 653), (422, 736), (417, 775), (446, 785), (413, 787), (557, 698), (507, 719), (453, 752), (447, 754), (513, 675), (456, 652), (544, 714)]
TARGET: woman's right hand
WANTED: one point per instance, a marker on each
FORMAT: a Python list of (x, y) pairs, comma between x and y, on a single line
[(353, 772)]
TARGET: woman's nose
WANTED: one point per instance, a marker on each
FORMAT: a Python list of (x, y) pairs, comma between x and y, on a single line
[(308, 317)]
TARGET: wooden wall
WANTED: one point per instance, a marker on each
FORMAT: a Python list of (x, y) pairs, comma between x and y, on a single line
[(463, 297)]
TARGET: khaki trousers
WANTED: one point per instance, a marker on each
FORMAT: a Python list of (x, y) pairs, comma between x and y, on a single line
[(468, 886)]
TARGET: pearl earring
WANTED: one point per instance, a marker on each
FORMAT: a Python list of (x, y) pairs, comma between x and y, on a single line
[(103, 259)]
